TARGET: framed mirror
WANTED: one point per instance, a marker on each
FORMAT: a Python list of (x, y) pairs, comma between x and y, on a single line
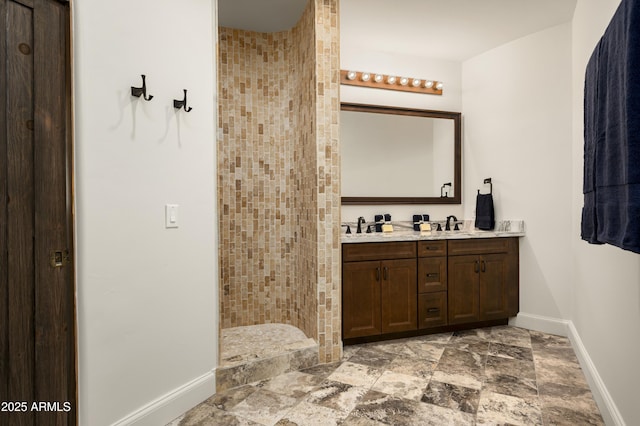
[(395, 155)]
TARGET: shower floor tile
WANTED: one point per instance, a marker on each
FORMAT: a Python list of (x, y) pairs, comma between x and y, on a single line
[(241, 344), (260, 352)]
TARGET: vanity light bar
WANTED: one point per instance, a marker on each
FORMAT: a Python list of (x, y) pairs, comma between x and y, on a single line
[(391, 82)]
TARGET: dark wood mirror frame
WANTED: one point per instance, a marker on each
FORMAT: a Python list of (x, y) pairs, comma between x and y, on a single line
[(457, 183)]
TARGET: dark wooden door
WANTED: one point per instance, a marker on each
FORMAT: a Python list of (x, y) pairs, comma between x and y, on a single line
[(37, 326), (463, 289), (361, 299), (399, 295)]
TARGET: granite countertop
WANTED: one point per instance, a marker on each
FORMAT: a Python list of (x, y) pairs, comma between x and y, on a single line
[(403, 231)]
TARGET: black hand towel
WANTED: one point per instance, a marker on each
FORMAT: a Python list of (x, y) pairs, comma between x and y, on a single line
[(485, 218)]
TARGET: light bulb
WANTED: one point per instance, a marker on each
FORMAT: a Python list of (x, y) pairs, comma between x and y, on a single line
[(416, 82), (404, 81), (351, 75), (440, 85), (391, 79), (378, 78), (428, 84), (365, 76)]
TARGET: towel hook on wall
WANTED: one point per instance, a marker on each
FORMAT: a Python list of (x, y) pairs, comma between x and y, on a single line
[(488, 181), (442, 193), (137, 91), (183, 103)]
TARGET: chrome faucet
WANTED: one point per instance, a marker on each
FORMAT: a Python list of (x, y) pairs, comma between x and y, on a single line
[(361, 221), (448, 226)]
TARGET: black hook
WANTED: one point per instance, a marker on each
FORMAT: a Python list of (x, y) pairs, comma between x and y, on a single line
[(183, 103), (488, 181), (137, 91)]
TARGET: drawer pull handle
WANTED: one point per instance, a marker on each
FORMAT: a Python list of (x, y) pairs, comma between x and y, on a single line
[(433, 275), (433, 310), (433, 248)]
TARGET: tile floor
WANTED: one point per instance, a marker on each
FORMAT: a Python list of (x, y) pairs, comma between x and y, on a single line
[(489, 376)]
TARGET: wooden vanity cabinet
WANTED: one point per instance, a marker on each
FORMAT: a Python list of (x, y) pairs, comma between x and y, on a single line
[(406, 288), (378, 288), (483, 281)]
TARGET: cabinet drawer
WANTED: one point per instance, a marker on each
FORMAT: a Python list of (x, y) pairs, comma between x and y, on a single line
[(432, 248), (432, 309), (432, 274), (481, 246), (353, 252)]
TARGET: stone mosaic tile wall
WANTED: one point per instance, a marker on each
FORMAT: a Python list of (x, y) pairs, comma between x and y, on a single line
[(305, 292), (254, 168), (328, 179), (278, 183)]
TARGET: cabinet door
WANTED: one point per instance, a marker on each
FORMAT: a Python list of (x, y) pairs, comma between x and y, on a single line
[(432, 274), (399, 295), (463, 288), (361, 299), (495, 282)]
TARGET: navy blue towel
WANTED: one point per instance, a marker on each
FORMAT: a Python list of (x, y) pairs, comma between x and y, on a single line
[(611, 212), (485, 218)]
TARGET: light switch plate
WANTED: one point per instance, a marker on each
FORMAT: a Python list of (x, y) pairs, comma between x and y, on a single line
[(171, 216)]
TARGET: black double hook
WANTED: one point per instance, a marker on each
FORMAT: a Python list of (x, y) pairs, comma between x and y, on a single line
[(183, 103), (137, 91)]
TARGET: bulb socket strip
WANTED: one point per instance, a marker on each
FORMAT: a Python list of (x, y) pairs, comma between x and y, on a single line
[(391, 82)]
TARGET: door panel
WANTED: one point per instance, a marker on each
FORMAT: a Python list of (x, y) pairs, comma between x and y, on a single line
[(463, 285), (361, 299), (494, 278), (37, 328), (399, 295)]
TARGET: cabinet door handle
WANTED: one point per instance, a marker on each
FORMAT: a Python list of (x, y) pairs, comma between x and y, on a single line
[(484, 266), (476, 267), (378, 274), (385, 273), (432, 275)]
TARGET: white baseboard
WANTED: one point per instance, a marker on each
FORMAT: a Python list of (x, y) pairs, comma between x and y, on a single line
[(549, 325), (171, 405), (560, 327), (606, 404)]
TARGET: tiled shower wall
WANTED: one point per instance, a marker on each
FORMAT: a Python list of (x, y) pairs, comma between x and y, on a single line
[(278, 183), (328, 178)]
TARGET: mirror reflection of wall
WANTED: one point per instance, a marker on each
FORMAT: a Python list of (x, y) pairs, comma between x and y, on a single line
[(389, 155)]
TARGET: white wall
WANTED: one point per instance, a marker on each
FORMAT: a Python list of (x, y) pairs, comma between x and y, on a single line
[(517, 130), (147, 296), (606, 306), (358, 58)]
